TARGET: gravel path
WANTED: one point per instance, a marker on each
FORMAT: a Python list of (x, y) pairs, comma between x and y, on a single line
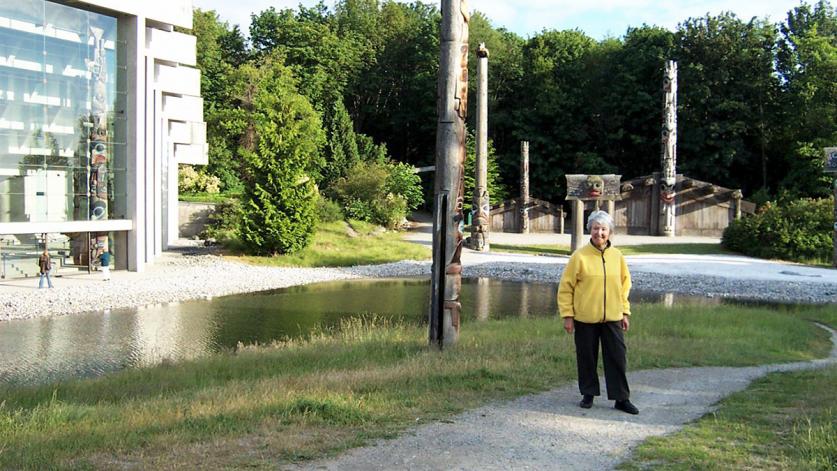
[(550, 431)]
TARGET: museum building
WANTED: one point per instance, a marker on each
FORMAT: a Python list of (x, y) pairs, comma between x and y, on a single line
[(99, 102)]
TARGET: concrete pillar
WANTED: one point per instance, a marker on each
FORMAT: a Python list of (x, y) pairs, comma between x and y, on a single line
[(131, 30)]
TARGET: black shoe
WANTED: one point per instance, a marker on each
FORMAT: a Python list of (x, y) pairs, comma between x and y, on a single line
[(586, 402), (626, 406)]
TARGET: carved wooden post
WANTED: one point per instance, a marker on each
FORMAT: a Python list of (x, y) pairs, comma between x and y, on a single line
[(669, 150), (834, 185), (830, 167), (834, 235), (524, 187), (736, 201), (596, 188), (481, 224), (452, 94), (578, 225)]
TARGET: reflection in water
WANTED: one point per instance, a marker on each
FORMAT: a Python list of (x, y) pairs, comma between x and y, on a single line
[(482, 301), (49, 349)]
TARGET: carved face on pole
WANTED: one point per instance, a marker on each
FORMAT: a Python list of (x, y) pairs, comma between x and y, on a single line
[(595, 186), (667, 193)]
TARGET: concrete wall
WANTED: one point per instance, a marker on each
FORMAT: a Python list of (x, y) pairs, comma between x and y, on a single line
[(193, 218)]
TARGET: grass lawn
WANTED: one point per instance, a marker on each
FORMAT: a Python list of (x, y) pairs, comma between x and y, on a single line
[(206, 197), (784, 421), (368, 379), (334, 247), (691, 249)]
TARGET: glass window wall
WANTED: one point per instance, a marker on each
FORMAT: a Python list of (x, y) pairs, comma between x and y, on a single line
[(62, 155)]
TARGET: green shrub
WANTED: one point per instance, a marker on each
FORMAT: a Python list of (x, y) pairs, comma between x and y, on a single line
[(328, 210), (192, 181), (224, 221), (798, 230), (380, 193)]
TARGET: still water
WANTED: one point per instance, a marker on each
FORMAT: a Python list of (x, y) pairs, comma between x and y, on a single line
[(92, 344)]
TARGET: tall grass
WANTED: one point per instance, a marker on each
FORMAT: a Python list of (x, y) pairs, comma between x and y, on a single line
[(367, 379), (339, 244)]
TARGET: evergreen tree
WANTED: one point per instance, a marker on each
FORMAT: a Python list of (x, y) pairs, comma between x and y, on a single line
[(280, 134)]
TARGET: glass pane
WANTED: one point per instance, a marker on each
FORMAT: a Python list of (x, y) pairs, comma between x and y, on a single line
[(58, 75)]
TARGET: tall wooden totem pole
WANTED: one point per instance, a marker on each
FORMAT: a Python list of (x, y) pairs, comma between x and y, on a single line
[(481, 204), (448, 220), (524, 187), (668, 177)]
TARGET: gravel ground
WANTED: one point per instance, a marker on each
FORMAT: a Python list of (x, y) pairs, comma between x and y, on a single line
[(550, 431)]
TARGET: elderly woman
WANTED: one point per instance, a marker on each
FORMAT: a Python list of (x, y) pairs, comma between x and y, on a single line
[(593, 301)]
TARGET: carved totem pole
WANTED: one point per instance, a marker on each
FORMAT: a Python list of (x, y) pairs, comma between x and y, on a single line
[(581, 188), (99, 156), (448, 220), (830, 168), (482, 207), (669, 150), (524, 187)]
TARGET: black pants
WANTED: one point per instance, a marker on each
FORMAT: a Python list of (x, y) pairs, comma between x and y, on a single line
[(587, 338)]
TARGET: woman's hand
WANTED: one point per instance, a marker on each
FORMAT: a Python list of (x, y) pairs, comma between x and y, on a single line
[(626, 322), (569, 324)]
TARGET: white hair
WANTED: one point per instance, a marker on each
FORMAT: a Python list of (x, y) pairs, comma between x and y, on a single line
[(600, 217)]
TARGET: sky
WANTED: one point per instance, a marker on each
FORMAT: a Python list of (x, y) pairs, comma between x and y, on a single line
[(599, 19)]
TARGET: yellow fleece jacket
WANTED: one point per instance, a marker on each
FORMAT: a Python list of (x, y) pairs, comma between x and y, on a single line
[(595, 285)]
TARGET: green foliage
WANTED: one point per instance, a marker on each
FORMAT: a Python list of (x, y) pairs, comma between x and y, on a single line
[(730, 107), (281, 135), (757, 100), (328, 210), (798, 230), (381, 193), (194, 181), (224, 222), (219, 51), (496, 190), (404, 181), (342, 150)]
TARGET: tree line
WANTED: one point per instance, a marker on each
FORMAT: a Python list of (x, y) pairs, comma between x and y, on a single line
[(757, 101)]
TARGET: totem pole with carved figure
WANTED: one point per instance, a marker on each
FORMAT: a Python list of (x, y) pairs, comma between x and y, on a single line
[(481, 203), (831, 169), (98, 164), (668, 178), (448, 221), (581, 188)]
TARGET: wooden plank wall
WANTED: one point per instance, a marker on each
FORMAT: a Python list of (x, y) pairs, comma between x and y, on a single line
[(701, 208), (543, 216)]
